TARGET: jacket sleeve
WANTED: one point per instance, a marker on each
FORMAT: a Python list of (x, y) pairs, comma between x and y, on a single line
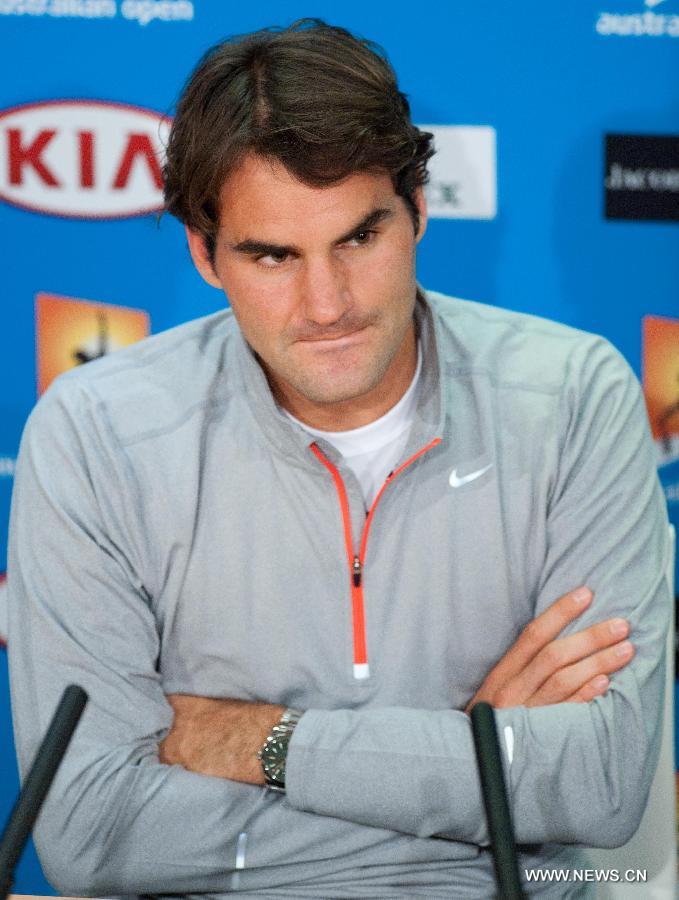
[(116, 820), (579, 773)]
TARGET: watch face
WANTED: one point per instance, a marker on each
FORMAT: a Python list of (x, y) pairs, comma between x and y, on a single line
[(273, 758)]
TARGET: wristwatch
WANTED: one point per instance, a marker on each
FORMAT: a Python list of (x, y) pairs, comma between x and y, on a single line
[(275, 750)]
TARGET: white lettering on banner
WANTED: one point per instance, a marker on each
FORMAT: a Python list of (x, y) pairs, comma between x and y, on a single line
[(85, 159), (77, 9), (145, 11), (462, 173), (623, 179), (646, 24), (23, 7), (140, 11), (83, 9), (7, 466)]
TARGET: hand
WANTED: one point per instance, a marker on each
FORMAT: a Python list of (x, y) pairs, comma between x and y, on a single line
[(219, 737), (541, 669)]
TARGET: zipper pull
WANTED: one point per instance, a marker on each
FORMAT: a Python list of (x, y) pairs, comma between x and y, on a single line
[(356, 573)]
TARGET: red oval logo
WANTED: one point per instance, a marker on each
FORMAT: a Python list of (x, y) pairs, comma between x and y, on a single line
[(83, 159)]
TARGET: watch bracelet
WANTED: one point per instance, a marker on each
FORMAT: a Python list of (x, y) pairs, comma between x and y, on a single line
[(285, 726)]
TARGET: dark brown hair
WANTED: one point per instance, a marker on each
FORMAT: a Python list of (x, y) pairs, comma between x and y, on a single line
[(312, 96)]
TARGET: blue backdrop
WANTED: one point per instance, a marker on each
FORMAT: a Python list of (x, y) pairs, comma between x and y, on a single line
[(551, 79)]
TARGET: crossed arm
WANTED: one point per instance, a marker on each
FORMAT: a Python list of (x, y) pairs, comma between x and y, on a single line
[(221, 737)]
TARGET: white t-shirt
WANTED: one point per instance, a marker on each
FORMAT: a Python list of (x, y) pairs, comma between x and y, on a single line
[(373, 450)]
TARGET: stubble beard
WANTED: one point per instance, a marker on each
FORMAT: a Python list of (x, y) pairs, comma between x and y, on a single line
[(326, 388), (329, 389)]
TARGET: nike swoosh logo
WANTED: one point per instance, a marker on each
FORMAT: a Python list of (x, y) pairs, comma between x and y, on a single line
[(457, 481)]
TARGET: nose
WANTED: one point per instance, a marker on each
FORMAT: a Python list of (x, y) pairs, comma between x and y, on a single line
[(325, 294)]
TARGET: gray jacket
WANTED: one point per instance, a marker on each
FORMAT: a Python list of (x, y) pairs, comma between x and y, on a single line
[(173, 532)]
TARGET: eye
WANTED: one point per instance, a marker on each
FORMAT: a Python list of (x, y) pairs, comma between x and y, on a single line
[(363, 237), (272, 260)]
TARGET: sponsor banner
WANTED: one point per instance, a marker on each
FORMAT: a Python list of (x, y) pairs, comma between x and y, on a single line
[(143, 12), (661, 383), (82, 159), (642, 176), (70, 332), (463, 172)]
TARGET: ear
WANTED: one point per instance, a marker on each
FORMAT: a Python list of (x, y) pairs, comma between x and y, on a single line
[(200, 257), (421, 203)]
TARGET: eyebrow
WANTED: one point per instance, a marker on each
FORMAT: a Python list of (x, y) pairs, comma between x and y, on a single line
[(253, 247)]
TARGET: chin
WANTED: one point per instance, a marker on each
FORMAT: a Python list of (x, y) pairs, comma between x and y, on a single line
[(339, 390), (331, 396)]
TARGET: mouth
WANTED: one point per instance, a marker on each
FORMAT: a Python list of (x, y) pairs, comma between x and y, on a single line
[(336, 343)]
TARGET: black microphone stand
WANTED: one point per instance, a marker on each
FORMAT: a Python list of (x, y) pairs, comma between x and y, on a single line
[(37, 783), (496, 803)]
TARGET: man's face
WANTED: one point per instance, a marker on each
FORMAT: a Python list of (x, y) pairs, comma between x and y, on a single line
[(322, 284)]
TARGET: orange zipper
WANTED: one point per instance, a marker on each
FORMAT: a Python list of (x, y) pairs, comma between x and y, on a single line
[(357, 560)]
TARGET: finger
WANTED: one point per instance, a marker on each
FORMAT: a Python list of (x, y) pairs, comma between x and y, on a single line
[(584, 643), (595, 688), (538, 633), (563, 652), (569, 680)]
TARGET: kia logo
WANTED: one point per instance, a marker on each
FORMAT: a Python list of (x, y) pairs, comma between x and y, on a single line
[(83, 159)]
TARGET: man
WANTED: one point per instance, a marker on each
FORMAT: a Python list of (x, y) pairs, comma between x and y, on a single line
[(285, 548)]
